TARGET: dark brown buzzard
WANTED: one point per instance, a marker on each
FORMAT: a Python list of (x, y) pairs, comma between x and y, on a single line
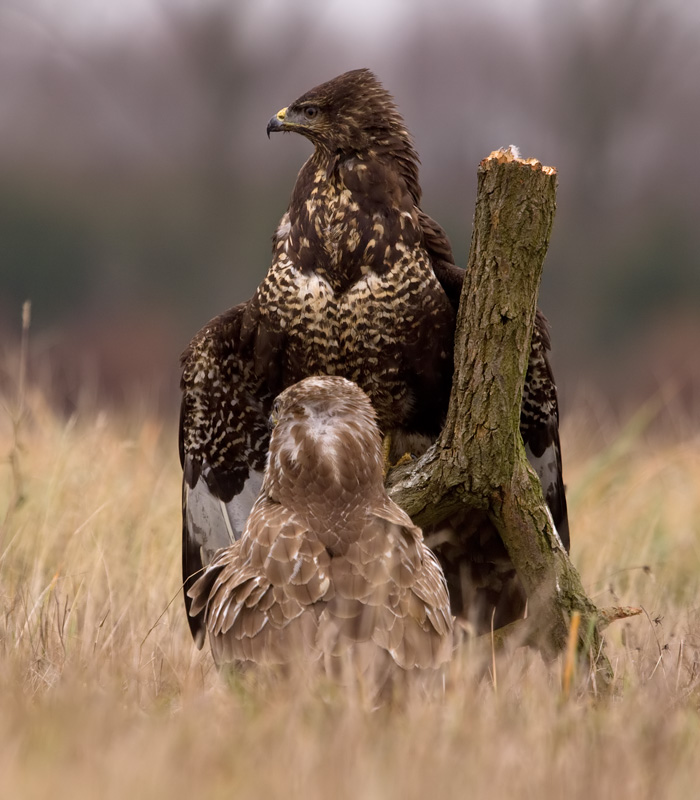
[(362, 284), (327, 564)]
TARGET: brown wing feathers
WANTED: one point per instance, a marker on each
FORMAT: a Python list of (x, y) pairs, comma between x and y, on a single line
[(291, 585)]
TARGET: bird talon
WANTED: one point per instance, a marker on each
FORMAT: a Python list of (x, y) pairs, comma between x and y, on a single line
[(386, 455), (406, 458), (387, 463)]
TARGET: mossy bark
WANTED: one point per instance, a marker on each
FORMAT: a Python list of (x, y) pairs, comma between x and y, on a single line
[(479, 461)]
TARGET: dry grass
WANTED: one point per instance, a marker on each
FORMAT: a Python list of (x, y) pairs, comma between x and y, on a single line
[(102, 693)]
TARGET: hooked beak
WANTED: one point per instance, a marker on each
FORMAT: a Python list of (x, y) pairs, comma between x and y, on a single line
[(277, 122)]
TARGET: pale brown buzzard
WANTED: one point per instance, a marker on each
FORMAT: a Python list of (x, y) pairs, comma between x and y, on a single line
[(326, 562)]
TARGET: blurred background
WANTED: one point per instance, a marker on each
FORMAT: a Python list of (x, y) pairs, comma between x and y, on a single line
[(138, 191)]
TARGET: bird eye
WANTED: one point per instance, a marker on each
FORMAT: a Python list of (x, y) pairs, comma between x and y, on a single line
[(310, 112)]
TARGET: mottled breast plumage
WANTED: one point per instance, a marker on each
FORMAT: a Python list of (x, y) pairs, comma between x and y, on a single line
[(360, 296)]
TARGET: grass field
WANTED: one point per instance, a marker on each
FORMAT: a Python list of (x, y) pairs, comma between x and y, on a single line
[(102, 694)]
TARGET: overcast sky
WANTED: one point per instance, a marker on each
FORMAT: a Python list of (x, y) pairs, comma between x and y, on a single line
[(267, 18)]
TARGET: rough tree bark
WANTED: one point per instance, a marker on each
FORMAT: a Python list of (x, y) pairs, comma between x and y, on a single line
[(479, 461)]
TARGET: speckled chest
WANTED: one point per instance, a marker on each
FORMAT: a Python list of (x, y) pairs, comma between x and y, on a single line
[(351, 287)]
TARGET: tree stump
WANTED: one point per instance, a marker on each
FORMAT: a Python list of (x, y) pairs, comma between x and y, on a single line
[(479, 461)]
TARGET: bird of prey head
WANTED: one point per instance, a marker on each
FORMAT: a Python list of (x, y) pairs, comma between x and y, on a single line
[(348, 114), (325, 449)]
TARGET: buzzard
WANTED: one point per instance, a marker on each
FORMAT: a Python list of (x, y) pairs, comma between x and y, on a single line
[(362, 284), (327, 563)]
